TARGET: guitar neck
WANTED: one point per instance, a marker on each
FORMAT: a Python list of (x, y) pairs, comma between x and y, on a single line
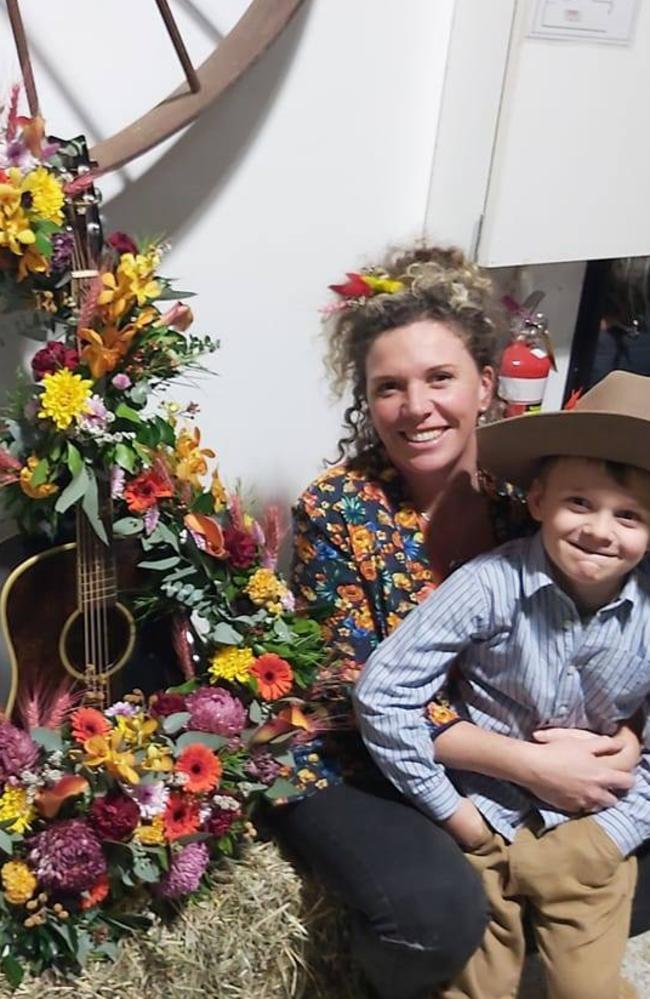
[(96, 573)]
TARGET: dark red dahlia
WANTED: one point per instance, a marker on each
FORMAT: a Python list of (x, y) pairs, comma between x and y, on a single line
[(121, 243), (52, 357), (161, 705), (114, 816)]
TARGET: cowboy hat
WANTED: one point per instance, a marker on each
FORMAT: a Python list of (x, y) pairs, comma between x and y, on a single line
[(610, 422)]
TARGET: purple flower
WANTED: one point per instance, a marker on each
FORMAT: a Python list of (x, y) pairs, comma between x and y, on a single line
[(213, 709), (262, 766), (151, 518), (122, 708), (121, 381), (118, 478), (185, 871), (18, 751), (96, 417), (67, 857), (62, 247)]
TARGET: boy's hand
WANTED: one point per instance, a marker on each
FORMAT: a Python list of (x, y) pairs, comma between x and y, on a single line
[(466, 825)]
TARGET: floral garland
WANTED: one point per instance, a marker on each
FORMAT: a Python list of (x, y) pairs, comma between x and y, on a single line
[(106, 816)]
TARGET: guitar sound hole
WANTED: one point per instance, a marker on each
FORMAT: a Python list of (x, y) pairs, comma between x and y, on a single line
[(106, 642)]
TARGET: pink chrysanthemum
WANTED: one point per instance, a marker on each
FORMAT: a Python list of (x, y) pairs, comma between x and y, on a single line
[(213, 709), (18, 751), (185, 871), (67, 857)]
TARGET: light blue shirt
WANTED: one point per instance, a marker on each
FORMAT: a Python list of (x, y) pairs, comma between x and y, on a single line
[(521, 658)]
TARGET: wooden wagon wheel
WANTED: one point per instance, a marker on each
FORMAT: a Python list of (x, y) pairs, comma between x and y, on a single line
[(259, 26)]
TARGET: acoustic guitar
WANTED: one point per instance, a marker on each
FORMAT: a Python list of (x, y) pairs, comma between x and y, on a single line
[(61, 616)]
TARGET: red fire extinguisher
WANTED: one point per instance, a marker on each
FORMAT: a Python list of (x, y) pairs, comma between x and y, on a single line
[(525, 364)]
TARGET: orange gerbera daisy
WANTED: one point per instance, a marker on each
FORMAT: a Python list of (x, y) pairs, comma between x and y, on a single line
[(181, 816), (274, 676), (96, 894), (87, 722), (202, 767)]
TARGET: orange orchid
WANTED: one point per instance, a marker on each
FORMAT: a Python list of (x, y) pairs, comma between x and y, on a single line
[(191, 459), (105, 350), (209, 530)]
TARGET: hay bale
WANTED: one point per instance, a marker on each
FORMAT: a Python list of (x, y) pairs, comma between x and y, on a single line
[(260, 933)]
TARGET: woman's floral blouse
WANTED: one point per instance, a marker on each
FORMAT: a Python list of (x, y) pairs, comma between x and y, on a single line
[(360, 559)]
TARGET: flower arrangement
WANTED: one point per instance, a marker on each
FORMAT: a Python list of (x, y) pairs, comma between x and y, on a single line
[(34, 249), (106, 816), (116, 813)]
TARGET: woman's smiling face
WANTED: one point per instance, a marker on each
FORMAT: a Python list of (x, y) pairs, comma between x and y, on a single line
[(425, 394)]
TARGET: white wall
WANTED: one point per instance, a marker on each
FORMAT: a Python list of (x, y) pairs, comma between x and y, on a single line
[(314, 163)]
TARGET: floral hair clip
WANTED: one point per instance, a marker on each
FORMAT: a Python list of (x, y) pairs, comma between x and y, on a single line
[(359, 287)]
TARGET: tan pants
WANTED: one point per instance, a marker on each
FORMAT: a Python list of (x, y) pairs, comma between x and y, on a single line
[(579, 891)]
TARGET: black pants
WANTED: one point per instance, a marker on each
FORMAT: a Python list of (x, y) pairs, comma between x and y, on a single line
[(418, 908)]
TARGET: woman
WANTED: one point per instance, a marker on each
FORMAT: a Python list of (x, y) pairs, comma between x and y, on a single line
[(416, 343)]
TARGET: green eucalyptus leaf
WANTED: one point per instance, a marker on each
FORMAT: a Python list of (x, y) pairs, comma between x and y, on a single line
[(161, 565), (127, 526), (225, 634), (49, 738), (175, 722), (74, 460), (205, 738), (90, 506), (281, 788), (255, 713), (74, 491), (6, 843)]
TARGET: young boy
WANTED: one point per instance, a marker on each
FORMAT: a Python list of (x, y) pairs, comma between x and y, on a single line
[(552, 630)]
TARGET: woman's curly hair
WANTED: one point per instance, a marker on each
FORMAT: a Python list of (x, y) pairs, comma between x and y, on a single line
[(439, 284)]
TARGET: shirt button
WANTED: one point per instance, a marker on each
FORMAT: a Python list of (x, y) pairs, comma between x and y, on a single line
[(562, 710)]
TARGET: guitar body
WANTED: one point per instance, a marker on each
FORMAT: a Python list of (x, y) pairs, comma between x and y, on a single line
[(43, 634)]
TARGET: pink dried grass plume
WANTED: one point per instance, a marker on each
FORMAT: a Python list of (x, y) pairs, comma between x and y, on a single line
[(274, 532), (12, 113), (43, 708), (89, 304)]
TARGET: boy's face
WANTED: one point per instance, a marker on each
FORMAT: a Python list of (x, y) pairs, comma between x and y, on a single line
[(595, 531)]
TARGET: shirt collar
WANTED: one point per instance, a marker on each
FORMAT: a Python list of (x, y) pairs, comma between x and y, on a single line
[(537, 575)]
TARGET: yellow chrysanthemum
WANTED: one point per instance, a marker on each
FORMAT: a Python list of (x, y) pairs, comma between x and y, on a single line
[(152, 834), (231, 663), (46, 194), (18, 882), (65, 397), (41, 491), (16, 809), (266, 590)]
